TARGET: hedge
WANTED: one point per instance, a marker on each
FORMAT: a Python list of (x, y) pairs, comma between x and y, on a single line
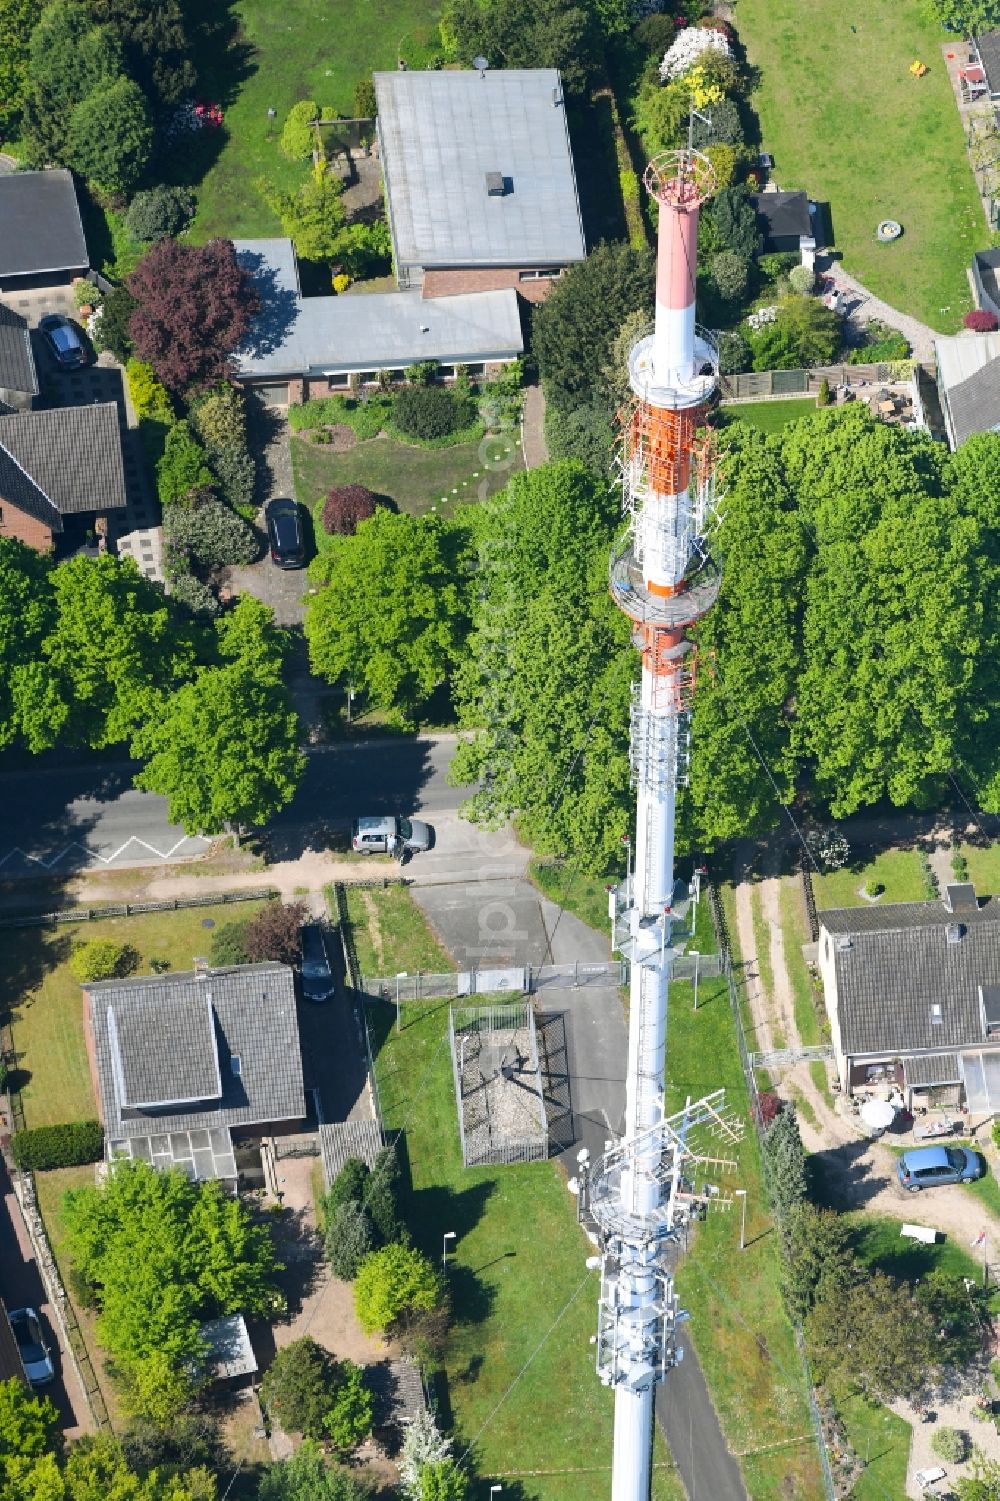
[(70, 1145)]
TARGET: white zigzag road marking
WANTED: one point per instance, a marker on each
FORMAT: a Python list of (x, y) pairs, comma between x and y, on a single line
[(96, 854)]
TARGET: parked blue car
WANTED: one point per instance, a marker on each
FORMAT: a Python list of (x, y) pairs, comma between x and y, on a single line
[(926, 1167)]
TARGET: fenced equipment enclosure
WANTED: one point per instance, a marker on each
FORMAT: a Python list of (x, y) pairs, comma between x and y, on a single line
[(498, 1084)]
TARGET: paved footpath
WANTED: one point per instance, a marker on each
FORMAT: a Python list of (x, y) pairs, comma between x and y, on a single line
[(921, 338)]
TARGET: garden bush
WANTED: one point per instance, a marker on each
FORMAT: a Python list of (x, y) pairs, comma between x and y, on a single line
[(102, 959), (801, 279), (194, 595), (981, 320), (392, 1283), (220, 421), (70, 1145), (350, 1236), (311, 1393), (823, 394), (297, 136), (366, 419), (422, 372), (345, 506), (803, 332), (159, 212), (112, 329), (210, 533), (364, 98), (730, 272), (85, 294), (882, 345), (950, 1444), (182, 466), (229, 944), (275, 933), (431, 412), (734, 352)]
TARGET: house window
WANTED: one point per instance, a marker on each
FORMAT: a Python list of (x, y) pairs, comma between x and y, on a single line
[(936, 1016), (338, 378), (475, 370), (368, 377), (237, 1065), (1, 516), (543, 273)]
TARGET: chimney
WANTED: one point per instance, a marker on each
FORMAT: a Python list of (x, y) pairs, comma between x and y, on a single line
[(960, 898), (200, 968)]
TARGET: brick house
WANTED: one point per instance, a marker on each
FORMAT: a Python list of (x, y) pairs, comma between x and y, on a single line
[(61, 474), (480, 187), (186, 1065)]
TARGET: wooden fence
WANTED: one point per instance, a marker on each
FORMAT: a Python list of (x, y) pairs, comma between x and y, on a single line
[(764, 385)]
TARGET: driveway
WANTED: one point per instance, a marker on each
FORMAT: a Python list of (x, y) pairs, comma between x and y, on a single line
[(20, 1286)]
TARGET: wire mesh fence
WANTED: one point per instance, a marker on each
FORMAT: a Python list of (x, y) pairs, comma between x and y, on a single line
[(498, 1084)]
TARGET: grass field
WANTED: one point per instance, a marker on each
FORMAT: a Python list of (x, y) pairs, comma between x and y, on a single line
[(301, 49), (845, 120), (897, 870), (43, 998), (768, 416), (417, 479), (984, 867), (519, 1288), (391, 934), (795, 930)]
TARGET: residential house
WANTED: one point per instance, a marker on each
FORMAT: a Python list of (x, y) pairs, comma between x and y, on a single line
[(987, 58), (18, 377), (300, 347), (185, 1066), (785, 223), (912, 991), (968, 381), (480, 187), (61, 474), (41, 233)]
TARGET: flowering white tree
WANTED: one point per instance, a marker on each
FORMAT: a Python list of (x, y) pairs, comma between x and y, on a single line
[(423, 1445), (688, 47)]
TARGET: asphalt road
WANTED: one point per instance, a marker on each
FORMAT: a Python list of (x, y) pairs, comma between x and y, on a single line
[(66, 817)]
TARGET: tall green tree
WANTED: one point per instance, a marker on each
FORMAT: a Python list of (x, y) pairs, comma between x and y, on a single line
[(110, 137), (563, 34), (875, 1337), (69, 59), (112, 650), (27, 612), (892, 619), (161, 43), (18, 18), (392, 612), (544, 689), (306, 1476), (576, 326), (312, 217)]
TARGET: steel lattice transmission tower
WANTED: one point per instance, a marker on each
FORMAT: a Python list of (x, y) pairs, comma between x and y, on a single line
[(663, 580)]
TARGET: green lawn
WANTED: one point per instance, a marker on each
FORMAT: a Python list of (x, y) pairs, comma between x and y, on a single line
[(300, 49), (897, 870), (795, 931), (43, 998), (883, 1440), (417, 479), (585, 896), (984, 867), (844, 120), (879, 1245), (391, 934), (520, 1290), (768, 416)]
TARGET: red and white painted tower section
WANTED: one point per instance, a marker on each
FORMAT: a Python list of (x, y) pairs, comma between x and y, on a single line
[(662, 580)]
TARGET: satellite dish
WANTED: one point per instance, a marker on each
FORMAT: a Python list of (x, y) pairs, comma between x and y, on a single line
[(482, 63)]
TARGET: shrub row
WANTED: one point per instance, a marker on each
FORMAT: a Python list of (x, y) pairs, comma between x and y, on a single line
[(69, 1145)]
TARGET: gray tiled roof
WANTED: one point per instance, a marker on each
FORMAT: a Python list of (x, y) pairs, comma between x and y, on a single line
[(183, 1067), (73, 455), (40, 225), (254, 1021), (18, 489), (893, 963), (440, 133), (932, 1068), (781, 214), (975, 403), (17, 364), (988, 47), (294, 336), (339, 1140)]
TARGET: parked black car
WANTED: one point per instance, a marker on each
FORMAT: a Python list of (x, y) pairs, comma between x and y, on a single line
[(317, 978), (64, 340), (284, 533)]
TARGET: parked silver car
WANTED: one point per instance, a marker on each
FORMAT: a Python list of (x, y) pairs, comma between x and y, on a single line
[(389, 835), (35, 1355)]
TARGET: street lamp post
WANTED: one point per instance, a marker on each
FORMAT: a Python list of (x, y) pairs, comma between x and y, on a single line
[(741, 1194), (448, 1235), (401, 976), (495, 1490), (695, 956), (583, 1163)]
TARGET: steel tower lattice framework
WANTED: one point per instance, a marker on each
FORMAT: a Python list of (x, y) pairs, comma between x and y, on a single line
[(663, 580)]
